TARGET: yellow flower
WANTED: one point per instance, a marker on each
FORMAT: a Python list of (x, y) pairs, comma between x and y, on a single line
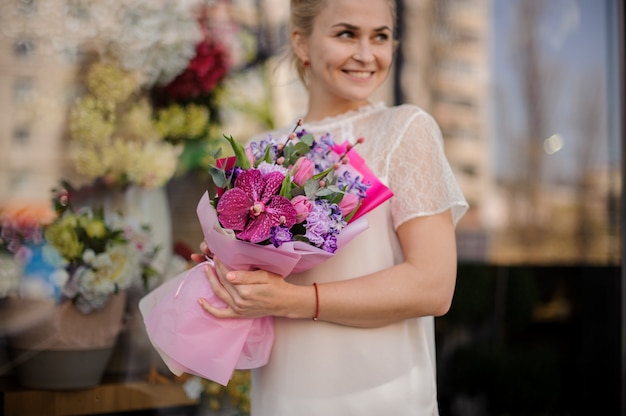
[(91, 120), (95, 228), (179, 123), (137, 124), (92, 161), (150, 165), (110, 83), (64, 238)]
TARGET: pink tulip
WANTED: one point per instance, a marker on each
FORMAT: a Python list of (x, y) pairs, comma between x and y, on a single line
[(250, 156), (348, 203), (303, 170), (303, 207)]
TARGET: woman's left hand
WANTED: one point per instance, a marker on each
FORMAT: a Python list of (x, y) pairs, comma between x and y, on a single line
[(247, 294)]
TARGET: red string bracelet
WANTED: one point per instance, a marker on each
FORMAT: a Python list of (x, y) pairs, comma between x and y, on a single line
[(317, 303)]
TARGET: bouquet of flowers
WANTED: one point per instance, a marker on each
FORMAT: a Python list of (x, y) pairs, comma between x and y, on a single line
[(77, 256), (282, 205)]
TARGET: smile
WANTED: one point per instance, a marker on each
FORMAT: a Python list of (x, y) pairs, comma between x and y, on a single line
[(360, 74)]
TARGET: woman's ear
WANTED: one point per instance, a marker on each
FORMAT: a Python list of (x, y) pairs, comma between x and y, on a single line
[(299, 46)]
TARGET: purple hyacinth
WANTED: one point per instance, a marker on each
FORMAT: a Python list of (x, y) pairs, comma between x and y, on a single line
[(280, 235), (352, 183), (323, 224), (253, 206), (259, 148)]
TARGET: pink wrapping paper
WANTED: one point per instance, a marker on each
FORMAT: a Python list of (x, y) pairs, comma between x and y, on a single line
[(194, 342), (377, 192)]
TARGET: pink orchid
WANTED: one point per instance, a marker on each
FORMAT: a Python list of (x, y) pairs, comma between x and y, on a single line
[(253, 206)]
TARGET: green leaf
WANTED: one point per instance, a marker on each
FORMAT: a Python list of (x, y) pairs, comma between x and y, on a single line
[(218, 176), (216, 153), (307, 139), (323, 174), (240, 153), (324, 192), (267, 157), (310, 187), (285, 189)]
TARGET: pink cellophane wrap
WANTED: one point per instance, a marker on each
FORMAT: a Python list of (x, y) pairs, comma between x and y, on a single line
[(194, 342), (377, 192)]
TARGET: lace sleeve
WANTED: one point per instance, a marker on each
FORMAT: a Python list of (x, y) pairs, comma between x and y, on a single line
[(420, 175)]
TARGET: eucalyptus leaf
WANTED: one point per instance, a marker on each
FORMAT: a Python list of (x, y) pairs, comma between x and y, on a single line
[(216, 153), (218, 176), (324, 192), (307, 139), (310, 187)]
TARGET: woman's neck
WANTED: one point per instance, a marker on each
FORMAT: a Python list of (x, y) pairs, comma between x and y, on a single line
[(321, 111)]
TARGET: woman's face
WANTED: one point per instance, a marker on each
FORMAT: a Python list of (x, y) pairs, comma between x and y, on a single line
[(350, 52)]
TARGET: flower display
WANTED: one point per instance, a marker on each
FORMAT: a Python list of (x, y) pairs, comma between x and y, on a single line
[(78, 255), (21, 226), (114, 138), (187, 107), (203, 73), (154, 38)]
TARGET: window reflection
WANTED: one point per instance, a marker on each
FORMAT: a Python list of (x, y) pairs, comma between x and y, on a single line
[(554, 175)]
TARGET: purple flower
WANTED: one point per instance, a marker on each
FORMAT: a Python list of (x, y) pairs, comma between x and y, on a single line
[(279, 235), (323, 221), (330, 243), (259, 148), (233, 173), (253, 206), (352, 183)]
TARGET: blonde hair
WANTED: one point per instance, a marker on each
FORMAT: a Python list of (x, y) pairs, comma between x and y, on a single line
[(302, 18)]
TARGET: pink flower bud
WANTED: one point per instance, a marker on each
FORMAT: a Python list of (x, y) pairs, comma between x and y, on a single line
[(302, 171), (250, 155), (303, 207), (348, 203)]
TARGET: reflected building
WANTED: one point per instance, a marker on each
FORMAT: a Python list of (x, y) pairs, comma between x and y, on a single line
[(35, 88), (446, 70)]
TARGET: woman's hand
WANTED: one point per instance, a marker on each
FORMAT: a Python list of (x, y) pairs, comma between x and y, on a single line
[(202, 256), (247, 294)]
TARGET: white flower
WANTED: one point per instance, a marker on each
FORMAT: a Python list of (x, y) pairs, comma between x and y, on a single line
[(88, 256), (266, 168), (59, 277)]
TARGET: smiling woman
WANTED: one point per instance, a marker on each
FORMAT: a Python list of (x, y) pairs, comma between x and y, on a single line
[(345, 55), (369, 349)]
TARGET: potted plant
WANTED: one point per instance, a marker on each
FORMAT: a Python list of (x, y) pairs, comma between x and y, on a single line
[(75, 270)]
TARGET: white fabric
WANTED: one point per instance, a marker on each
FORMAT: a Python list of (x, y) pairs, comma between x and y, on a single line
[(323, 369)]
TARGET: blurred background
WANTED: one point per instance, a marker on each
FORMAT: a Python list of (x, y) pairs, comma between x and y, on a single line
[(529, 95)]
